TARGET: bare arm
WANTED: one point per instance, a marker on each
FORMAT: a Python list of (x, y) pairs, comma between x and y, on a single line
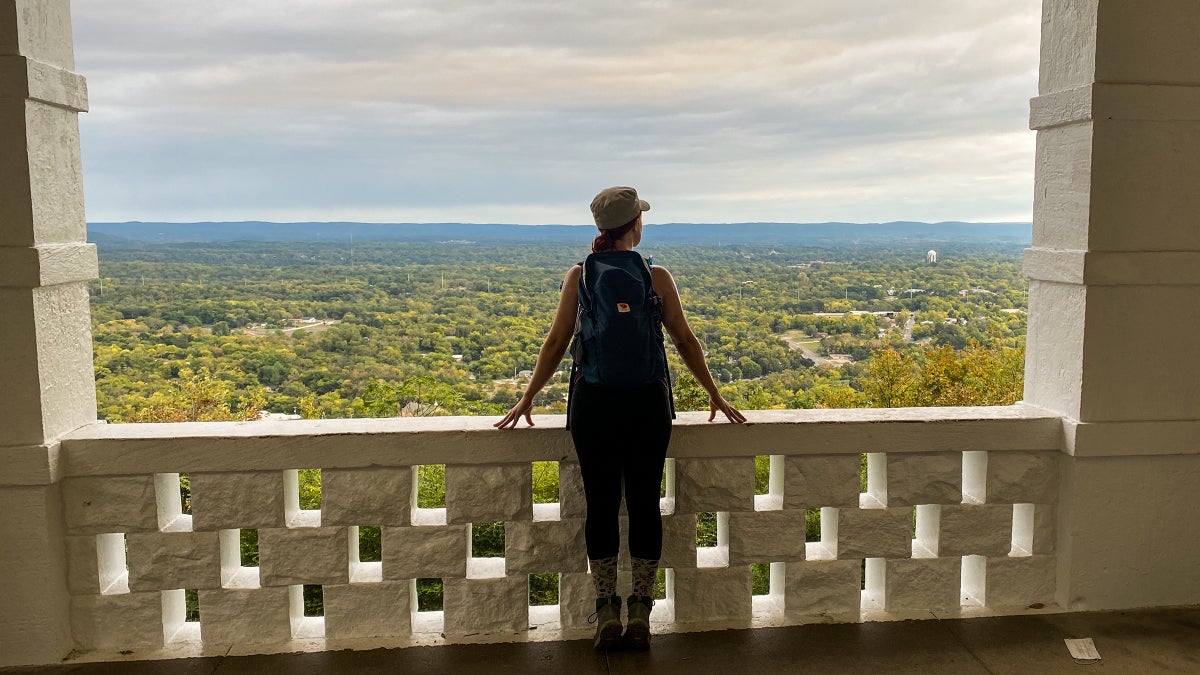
[(689, 347), (551, 352)]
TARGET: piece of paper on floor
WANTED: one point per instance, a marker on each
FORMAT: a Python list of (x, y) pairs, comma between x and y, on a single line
[(1082, 649)]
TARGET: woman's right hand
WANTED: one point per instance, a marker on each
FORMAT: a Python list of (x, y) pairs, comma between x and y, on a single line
[(716, 403)]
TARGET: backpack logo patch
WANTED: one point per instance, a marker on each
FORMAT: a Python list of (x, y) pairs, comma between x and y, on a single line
[(622, 306)]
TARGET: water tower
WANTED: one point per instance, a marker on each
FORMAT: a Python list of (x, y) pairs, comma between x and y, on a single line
[(931, 256)]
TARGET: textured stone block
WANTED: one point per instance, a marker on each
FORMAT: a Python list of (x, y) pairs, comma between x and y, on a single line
[(708, 485), (975, 529), (571, 499), (1045, 528), (113, 622), (920, 584), (95, 505), (873, 533), (766, 536), (576, 600), (490, 606), (487, 493), (831, 588), (679, 541), (304, 555), (713, 595), (160, 561), (425, 552), (238, 500), (366, 496), (381, 609), (547, 546), (1020, 582), (924, 478), (96, 564), (1016, 477), (232, 616), (814, 481)]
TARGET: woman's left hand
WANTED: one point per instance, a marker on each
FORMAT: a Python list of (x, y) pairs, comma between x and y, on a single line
[(523, 407)]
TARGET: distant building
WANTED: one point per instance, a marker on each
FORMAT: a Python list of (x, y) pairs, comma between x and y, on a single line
[(931, 256)]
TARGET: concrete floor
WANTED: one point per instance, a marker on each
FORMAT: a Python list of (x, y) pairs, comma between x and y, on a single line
[(1140, 641)]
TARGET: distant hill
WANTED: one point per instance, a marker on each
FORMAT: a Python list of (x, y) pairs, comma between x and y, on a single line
[(140, 234)]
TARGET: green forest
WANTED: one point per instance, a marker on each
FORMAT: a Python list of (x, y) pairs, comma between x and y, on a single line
[(207, 332)]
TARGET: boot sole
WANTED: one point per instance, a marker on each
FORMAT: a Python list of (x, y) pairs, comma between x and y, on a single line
[(637, 635), (608, 637)]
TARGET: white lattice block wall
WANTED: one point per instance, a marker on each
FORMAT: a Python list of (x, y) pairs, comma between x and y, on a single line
[(257, 615), (576, 599), (975, 529), (823, 588), (1017, 477), (545, 546), (679, 541), (425, 552), (238, 500), (1018, 582), (366, 496), (497, 605), (821, 480), (709, 485), (96, 564), (169, 560), (1034, 528), (919, 584), (488, 493), (303, 555), (718, 594), (125, 621), (571, 500), (923, 478), (766, 536), (873, 533), (382, 609), (110, 504)]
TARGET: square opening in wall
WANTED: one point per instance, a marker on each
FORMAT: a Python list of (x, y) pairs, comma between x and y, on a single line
[(431, 486), (545, 482), (248, 541), (660, 585), (429, 594), (314, 600), (543, 589), (370, 543), (812, 525), (706, 530), (760, 579), (762, 474), (487, 540), (191, 604)]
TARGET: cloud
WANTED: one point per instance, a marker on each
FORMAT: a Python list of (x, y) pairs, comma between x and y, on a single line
[(519, 110)]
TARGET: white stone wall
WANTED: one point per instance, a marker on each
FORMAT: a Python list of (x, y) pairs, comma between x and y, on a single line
[(915, 540)]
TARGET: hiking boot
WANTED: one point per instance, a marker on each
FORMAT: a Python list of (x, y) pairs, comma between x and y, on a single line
[(608, 623), (637, 629)]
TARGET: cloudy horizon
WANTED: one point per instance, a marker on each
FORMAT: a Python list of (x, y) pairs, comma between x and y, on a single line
[(518, 111)]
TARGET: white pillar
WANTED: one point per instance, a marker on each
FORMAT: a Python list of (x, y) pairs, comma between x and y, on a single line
[(1114, 328), (45, 331)]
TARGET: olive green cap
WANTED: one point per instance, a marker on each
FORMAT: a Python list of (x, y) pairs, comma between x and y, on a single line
[(617, 206)]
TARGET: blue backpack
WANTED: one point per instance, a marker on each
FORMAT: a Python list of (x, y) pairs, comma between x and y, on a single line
[(618, 332)]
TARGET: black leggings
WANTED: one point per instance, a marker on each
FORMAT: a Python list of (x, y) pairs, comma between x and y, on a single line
[(622, 432)]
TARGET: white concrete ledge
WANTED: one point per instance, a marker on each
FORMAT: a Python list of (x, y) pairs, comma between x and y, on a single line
[(1113, 268), (117, 449), (37, 81), (29, 465), (47, 265), (1108, 101), (1112, 439)]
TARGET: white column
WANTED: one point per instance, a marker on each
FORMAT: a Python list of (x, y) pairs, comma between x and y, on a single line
[(1114, 300), (45, 331)]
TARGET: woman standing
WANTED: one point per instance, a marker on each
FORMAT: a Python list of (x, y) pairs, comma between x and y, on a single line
[(621, 433)]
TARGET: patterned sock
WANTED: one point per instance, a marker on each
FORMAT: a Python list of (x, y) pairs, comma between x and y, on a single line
[(643, 576), (604, 576)]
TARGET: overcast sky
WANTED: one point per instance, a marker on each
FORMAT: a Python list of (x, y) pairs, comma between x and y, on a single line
[(519, 111)]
